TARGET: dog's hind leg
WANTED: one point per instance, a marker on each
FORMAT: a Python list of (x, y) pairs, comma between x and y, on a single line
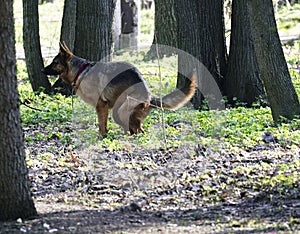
[(102, 113)]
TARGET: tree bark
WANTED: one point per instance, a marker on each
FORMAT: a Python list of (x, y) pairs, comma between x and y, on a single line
[(32, 47), (213, 13), (280, 91), (15, 198), (165, 28), (67, 36), (242, 79), (94, 27), (68, 25), (201, 34)]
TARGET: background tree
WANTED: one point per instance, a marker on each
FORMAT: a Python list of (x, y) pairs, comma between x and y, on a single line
[(15, 198), (165, 28), (68, 25), (274, 72), (94, 27), (32, 47), (200, 33), (242, 78), (67, 35), (188, 40)]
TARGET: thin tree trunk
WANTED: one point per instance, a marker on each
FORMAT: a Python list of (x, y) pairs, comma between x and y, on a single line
[(242, 78), (274, 72), (69, 24), (32, 47), (15, 197), (67, 36), (215, 20), (94, 27)]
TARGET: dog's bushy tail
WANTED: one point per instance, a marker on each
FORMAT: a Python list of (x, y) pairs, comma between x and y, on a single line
[(179, 97)]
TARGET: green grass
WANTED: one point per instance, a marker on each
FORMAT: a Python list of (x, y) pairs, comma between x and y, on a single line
[(230, 129)]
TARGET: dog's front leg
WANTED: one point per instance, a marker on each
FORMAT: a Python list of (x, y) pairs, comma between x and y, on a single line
[(102, 113)]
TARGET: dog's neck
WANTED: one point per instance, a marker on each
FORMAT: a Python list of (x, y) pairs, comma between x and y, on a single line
[(81, 69), (75, 68)]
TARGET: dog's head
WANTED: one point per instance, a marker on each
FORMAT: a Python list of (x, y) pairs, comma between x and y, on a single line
[(60, 63)]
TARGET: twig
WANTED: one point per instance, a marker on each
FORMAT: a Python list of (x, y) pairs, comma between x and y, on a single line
[(33, 108), (161, 89)]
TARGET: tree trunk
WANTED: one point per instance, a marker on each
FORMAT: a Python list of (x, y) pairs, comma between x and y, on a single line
[(274, 72), (68, 25), (164, 19), (32, 47), (94, 26), (201, 34), (213, 16), (67, 35), (15, 198), (242, 78)]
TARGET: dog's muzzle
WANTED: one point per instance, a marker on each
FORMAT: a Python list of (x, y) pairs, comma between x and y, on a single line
[(50, 71)]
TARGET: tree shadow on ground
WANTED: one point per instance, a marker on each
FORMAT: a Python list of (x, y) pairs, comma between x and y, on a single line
[(258, 215)]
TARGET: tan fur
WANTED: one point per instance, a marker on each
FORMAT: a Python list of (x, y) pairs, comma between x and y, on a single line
[(118, 86)]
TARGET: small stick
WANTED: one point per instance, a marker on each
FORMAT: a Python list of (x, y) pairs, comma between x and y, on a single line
[(33, 108), (161, 89)]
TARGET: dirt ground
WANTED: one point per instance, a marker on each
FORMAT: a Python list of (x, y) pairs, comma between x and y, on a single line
[(189, 189), (62, 218)]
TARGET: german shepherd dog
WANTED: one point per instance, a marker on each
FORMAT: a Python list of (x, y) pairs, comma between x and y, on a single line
[(115, 85)]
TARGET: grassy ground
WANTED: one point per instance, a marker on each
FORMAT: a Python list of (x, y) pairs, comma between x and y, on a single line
[(231, 171)]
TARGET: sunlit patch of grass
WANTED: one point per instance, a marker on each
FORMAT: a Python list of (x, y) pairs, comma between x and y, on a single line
[(146, 26), (50, 16), (233, 128), (288, 19)]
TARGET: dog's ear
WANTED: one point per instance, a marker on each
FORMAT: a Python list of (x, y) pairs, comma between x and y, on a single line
[(64, 50)]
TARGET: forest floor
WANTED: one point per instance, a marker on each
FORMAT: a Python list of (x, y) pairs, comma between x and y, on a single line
[(186, 189)]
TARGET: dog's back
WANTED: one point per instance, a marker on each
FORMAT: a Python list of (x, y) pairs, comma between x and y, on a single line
[(109, 80)]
